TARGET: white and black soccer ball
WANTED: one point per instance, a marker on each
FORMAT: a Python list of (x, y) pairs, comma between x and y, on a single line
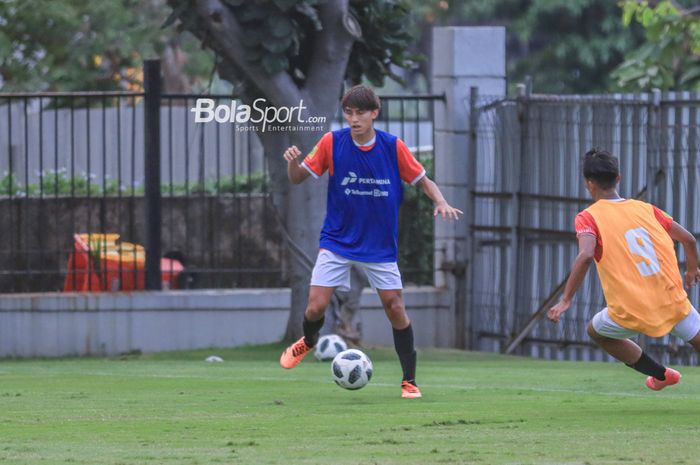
[(352, 369), (329, 346)]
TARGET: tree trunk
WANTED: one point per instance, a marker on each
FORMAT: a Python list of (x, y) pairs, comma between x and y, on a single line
[(345, 324), (175, 79), (302, 209)]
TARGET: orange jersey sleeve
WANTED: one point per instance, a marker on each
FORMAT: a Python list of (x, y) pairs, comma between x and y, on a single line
[(320, 158), (585, 224), (410, 169), (664, 218)]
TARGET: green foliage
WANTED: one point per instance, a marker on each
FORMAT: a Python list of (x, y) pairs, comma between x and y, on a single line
[(573, 45), (566, 46), (59, 183), (387, 33), (280, 35), (9, 185), (416, 233), (80, 45), (670, 57)]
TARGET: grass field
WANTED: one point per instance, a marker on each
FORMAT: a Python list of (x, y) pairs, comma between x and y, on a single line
[(477, 408)]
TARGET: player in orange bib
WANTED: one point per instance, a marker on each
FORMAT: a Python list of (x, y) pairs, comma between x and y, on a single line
[(632, 245)]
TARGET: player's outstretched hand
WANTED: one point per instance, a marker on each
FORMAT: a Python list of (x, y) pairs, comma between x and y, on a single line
[(447, 211), (692, 277), (292, 153), (555, 312)]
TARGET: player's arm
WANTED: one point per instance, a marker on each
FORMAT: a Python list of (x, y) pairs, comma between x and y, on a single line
[(295, 172), (680, 234), (586, 254), (441, 206)]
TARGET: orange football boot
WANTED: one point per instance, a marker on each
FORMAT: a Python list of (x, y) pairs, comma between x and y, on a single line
[(294, 354), (409, 390), (672, 377)]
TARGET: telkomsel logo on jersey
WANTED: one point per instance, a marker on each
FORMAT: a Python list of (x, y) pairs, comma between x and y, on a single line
[(352, 178)]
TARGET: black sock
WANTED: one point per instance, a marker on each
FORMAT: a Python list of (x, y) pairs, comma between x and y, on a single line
[(650, 367), (311, 329), (403, 343)]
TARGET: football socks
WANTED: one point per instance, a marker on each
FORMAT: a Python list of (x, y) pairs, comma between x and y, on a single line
[(311, 330), (403, 343), (649, 366)]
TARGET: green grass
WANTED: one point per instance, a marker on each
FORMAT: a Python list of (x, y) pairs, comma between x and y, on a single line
[(173, 408)]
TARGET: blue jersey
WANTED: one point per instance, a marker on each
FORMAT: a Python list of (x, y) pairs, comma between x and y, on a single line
[(364, 196)]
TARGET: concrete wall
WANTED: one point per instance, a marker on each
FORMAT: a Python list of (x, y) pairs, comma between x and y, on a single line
[(57, 324)]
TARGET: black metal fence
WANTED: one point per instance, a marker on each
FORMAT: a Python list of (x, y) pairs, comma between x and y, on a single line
[(74, 163)]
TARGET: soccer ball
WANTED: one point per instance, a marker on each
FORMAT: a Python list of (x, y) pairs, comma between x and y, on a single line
[(329, 346), (351, 369)]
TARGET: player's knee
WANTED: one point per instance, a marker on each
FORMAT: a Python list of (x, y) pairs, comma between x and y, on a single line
[(695, 342), (395, 308), (593, 334), (315, 309), (314, 313)]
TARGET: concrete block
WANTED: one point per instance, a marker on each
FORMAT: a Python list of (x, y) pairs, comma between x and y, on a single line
[(451, 166), (453, 114), (469, 51)]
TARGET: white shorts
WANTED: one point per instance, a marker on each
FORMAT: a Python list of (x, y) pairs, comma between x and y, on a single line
[(686, 329), (332, 270)]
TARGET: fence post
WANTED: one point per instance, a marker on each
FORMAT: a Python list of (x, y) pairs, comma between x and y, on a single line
[(151, 75), (469, 322), (509, 319), (653, 145)]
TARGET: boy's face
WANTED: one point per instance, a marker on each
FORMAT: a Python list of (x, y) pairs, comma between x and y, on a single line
[(360, 121)]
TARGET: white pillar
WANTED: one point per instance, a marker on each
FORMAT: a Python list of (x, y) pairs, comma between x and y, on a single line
[(463, 57)]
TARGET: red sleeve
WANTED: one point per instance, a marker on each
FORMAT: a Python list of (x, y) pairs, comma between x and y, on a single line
[(585, 224), (320, 158), (410, 169), (664, 218)]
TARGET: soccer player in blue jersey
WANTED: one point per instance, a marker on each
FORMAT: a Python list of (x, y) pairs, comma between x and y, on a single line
[(366, 168)]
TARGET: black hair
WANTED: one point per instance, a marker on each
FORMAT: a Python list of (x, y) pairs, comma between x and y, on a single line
[(602, 168), (360, 97)]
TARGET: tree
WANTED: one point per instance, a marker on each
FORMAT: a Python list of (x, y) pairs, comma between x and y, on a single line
[(566, 46), (286, 52), (78, 45), (669, 59)]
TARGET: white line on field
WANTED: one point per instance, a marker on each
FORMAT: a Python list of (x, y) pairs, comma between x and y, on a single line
[(425, 386)]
